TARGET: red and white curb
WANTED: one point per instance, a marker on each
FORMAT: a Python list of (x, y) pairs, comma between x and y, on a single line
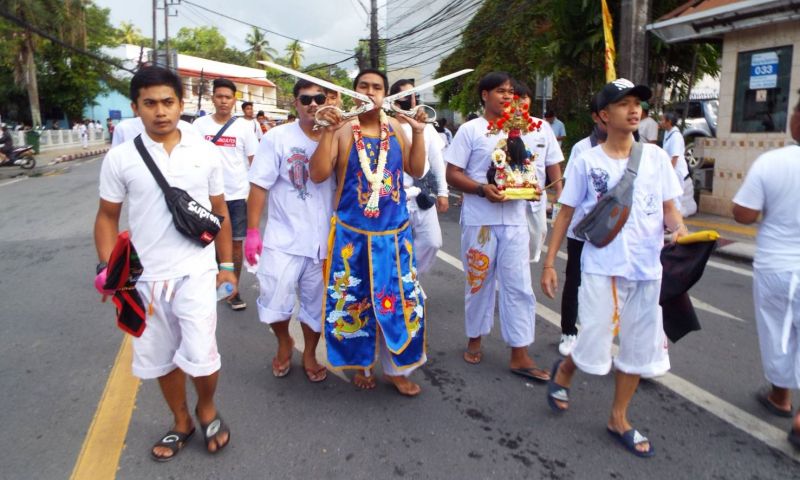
[(75, 156)]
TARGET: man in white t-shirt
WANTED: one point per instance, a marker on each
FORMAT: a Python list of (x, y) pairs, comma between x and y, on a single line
[(548, 170), (572, 274), (296, 235), (83, 131), (621, 282), (648, 127), (771, 188), (675, 147), (238, 144), (130, 127), (558, 126), (494, 235), (179, 276), (247, 114), (423, 217)]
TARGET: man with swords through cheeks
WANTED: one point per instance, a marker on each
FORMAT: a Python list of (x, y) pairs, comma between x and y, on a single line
[(373, 302)]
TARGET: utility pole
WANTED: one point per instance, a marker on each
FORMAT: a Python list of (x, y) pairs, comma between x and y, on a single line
[(155, 42), (166, 33), (632, 47), (373, 36), (200, 89)]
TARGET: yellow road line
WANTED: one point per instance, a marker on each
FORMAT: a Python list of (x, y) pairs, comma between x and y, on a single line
[(740, 229), (105, 439)]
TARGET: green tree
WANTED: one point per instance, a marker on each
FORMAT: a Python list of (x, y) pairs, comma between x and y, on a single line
[(294, 54), (41, 75), (208, 43), (130, 34), (259, 47)]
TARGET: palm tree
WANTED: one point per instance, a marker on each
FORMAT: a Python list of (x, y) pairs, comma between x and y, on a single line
[(259, 47), (294, 54), (129, 33)]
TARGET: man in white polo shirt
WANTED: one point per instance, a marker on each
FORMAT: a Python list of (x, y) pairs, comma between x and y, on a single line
[(179, 276), (234, 137), (675, 147)]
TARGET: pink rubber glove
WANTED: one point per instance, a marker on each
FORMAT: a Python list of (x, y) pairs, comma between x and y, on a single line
[(252, 245), (100, 280)]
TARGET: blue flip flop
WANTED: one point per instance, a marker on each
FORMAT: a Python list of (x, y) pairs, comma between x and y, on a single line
[(630, 439), (556, 391)]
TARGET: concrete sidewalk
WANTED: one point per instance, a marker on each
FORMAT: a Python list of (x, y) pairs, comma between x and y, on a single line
[(50, 160), (736, 241)]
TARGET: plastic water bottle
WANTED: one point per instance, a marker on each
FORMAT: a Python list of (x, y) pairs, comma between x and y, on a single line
[(556, 209), (224, 290)]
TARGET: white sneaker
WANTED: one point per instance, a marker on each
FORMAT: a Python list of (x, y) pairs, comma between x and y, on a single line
[(567, 344)]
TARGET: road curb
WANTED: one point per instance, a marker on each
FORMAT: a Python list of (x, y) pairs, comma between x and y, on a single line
[(76, 156)]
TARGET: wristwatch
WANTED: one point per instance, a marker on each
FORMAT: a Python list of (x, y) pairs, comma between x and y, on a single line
[(101, 266), (480, 191)]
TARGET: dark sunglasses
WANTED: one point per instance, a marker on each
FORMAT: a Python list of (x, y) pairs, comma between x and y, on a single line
[(318, 98)]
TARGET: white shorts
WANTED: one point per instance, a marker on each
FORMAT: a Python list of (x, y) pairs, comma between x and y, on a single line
[(181, 333), (642, 342), (771, 291), (286, 279)]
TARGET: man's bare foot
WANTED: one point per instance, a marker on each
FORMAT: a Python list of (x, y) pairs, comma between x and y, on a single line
[(218, 435), (404, 385), (282, 362), (473, 354), (563, 380), (163, 453), (363, 382)]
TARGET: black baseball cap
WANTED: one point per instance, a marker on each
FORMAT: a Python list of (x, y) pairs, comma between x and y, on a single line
[(620, 88)]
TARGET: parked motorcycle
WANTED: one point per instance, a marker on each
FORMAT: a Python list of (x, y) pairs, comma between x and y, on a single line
[(20, 157)]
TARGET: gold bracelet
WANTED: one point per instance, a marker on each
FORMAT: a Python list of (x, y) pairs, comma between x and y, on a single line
[(548, 266)]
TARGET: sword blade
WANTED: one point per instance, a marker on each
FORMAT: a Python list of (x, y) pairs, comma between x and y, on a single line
[(391, 98), (316, 81)]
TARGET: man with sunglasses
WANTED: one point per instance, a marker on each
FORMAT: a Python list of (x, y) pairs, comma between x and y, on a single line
[(374, 306), (235, 139), (423, 218), (295, 240)]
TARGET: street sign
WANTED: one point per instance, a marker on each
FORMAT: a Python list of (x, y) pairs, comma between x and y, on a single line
[(544, 87), (764, 70), (115, 114)]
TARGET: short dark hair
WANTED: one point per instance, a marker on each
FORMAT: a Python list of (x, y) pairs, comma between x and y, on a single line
[(152, 76), (400, 83), (223, 83), (521, 89), (594, 104), (490, 81), (373, 71), (301, 84), (549, 113), (260, 113), (246, 104)]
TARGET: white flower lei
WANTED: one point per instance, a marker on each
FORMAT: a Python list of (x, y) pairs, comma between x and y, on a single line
[(375, 179)]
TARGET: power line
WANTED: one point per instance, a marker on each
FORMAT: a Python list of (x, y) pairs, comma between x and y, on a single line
[(261, 28)]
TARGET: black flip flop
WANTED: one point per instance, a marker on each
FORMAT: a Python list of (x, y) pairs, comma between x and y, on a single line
[(556, 391), (763, 398), (529, 373), (173, 440), (212, 429)]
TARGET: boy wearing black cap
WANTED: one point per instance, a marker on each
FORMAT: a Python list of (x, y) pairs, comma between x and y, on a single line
[(620, 282)]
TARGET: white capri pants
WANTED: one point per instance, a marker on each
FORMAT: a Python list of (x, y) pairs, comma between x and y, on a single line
[(642, 342), (498, 253), (537, 226), (778, 320), (181, 333), (285, 280), (427, 235)]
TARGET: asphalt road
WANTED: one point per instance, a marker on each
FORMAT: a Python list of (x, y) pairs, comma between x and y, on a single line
[(58, 344)]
